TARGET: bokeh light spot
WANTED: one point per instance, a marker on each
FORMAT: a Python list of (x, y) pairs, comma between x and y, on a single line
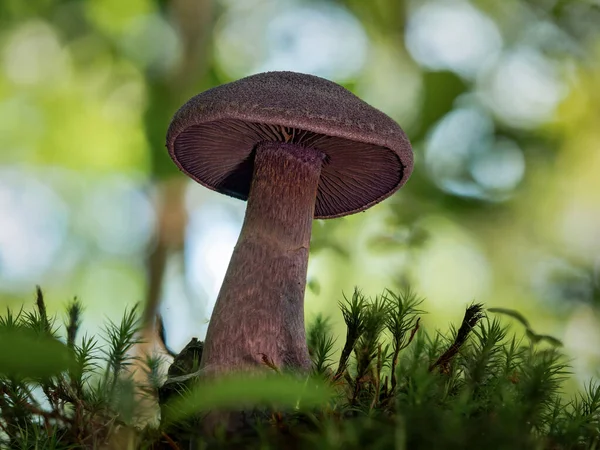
[(523, 89), (33, 55), (212, 234), (452, 35), (297, 38), (33, 225), (463, 157), (119, 216)]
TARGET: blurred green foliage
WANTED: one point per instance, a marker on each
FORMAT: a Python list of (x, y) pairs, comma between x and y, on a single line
[(244, 392), (45, 356)]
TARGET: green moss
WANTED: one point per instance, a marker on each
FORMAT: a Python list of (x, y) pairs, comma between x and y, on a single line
[(394, 386)]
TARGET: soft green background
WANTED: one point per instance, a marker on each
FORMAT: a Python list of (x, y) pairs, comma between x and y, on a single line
[(501, 100)]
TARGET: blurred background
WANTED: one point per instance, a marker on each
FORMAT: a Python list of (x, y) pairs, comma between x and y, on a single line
[(501, 101)]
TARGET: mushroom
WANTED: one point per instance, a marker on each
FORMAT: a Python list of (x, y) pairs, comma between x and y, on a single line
[(297, 147)]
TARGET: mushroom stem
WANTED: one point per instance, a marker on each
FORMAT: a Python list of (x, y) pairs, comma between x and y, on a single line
[(260, 308)]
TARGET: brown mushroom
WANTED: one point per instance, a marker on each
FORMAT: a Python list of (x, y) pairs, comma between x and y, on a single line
[(297, 147)]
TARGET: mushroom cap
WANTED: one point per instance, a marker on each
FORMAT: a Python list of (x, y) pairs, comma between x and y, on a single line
[(213, 136)]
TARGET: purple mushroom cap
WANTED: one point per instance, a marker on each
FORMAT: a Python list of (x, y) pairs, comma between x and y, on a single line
[(212, 138)]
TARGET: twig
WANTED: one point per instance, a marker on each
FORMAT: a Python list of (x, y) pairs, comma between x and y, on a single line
[(170, 441), (269, 362), (162, 335)]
